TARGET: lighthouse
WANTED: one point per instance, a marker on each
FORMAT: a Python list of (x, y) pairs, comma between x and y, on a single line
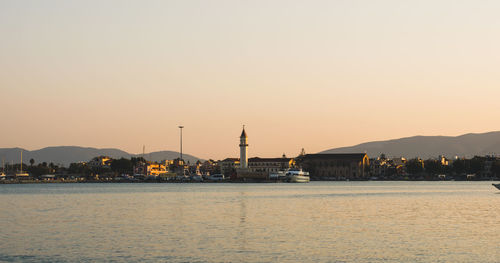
[(243, 149)]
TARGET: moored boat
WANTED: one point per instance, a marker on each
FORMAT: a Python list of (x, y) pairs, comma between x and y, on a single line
[(2, 174), (297, 176), (21, 174), (497, 186)]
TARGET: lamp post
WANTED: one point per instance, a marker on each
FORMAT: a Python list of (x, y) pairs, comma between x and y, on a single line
[(180, 127)]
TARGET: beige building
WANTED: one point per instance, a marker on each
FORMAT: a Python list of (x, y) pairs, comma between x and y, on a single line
[(270, 165)]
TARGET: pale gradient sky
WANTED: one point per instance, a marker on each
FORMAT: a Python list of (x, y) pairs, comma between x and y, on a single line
[(299, 74)]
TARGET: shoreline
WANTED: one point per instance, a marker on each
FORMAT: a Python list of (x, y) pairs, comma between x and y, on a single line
[(74, 181)]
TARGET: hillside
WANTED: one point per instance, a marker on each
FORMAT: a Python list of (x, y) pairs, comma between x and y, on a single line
[(71, 154), (466, 145)]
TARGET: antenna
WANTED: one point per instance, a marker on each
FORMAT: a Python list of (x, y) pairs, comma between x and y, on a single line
[(21, 161)]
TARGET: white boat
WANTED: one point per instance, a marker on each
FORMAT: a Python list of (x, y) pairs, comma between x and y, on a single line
[(297, 176), (280, 175), (48, 176), (497, 186)]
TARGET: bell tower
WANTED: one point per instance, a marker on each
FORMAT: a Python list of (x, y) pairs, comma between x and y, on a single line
[(243, 149)]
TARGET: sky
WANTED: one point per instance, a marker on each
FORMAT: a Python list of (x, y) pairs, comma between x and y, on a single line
[(298, 74)]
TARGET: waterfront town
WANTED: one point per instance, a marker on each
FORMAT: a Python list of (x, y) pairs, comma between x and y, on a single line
[(319, 167)]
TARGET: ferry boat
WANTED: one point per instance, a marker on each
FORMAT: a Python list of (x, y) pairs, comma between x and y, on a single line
[(497, 186), (297, 176), (291, 176)]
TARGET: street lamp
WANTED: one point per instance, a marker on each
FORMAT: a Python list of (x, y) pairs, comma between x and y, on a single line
[(180, 127)]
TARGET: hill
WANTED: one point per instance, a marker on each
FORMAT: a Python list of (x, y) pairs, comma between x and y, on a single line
[(466, 145), (71, 154)]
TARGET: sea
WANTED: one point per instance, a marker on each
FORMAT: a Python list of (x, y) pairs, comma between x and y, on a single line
[(269, 222)]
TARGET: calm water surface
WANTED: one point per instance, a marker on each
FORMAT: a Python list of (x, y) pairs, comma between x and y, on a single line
[(320, 222)]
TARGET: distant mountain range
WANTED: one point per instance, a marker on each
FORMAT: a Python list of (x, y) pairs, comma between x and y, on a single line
[(72, 154), (425, 147)]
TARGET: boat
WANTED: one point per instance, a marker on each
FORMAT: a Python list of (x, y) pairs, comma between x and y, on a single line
[(216, 177), (497, 186), (279, 176), (292, 175), (22, 174), (2, 174), (48, 176), (297, 176)]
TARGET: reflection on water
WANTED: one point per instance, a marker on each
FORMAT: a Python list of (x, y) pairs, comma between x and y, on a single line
[(241, 237), (320, 221)]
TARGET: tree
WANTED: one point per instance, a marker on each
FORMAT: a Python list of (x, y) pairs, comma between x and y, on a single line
[(476, 164), (415, 166), (137, 160), (122, 165), (32, 161), (495, 168), (459, 166), (78, 168), (433, 167)]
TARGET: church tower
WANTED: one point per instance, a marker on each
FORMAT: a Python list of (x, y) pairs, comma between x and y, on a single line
[(243, 149)]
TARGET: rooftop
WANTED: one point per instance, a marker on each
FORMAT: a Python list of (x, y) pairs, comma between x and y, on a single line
[(258, 159), (335, 156)]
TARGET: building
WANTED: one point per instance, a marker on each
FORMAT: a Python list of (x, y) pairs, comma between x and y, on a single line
[(210, 167), (100, 162), (384, 168), (337, 166), (442, 159), (150, 169), (229, 166), (270, 165), (244, 172), (256, 168), (379, 167)]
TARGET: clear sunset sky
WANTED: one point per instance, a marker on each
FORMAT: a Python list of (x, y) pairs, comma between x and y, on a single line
[(298, 74)]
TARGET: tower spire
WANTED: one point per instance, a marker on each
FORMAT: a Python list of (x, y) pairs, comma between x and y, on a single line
[(243, 133)]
